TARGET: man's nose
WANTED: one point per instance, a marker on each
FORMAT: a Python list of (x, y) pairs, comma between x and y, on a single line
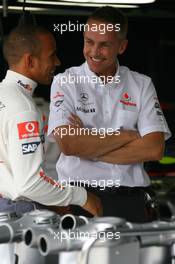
[(57, 61), (95, 51)]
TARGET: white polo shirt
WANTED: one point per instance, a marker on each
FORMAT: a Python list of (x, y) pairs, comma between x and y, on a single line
[(130, 104), (21, 148)]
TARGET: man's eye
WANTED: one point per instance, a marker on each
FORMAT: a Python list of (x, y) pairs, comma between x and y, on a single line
[(106, 45), (88, 42)]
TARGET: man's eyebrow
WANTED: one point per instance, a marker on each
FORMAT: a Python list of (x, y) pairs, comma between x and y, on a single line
[(105, 42), (88, 38)]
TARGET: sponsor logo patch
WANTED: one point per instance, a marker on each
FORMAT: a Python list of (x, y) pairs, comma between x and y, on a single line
[(157, 105), (25, 86), (30, 147), (159, 113), (2, 106), (58, 94), (126, 100), (84, 110), (28, 129), (84, 99), (84, 96), (58, 103)]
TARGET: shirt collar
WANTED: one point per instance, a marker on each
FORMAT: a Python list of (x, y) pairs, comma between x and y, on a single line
[(25, 83), (88, 71), (112, 83)]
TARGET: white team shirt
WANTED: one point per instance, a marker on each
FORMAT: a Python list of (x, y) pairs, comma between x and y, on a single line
[(52, 151), (130, 104), (21, 148)]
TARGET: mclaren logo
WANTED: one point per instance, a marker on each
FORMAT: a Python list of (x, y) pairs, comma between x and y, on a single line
[(84, 97)]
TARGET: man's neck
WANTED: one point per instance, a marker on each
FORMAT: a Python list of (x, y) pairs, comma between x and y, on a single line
[(21, 71), (107, 76)]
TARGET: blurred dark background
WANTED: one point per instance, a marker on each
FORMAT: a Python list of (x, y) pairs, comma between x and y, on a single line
[(151, 50), (151, 37)]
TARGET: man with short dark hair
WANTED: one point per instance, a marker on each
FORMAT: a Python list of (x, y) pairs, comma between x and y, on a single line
[(116, 99), (31, 55)]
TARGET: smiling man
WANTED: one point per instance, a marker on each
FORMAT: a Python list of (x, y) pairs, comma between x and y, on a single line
[(102, 47), (122, 102)]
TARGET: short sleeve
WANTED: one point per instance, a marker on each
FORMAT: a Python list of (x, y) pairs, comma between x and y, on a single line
[(151, 117)]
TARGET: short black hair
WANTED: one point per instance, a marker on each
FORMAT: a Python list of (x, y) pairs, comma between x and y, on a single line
[(111, 15), (20, 40)]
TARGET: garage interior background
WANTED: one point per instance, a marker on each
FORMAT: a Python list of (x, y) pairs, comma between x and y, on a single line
[(151, 51)]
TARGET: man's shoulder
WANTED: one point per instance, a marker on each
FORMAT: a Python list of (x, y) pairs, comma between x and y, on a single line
[(130, 74), (75, 70), (14, 100)]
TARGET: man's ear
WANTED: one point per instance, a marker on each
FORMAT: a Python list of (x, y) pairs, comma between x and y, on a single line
[(123, 46), (29, 61)]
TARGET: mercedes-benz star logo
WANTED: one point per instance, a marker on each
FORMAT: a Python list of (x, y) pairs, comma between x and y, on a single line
[(84, 96)]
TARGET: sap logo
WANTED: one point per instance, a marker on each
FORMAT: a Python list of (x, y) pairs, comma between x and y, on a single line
[(29, 147)]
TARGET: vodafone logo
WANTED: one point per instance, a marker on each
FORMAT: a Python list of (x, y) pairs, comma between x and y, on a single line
[(126, 97), (126, 100), (28, 129)]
